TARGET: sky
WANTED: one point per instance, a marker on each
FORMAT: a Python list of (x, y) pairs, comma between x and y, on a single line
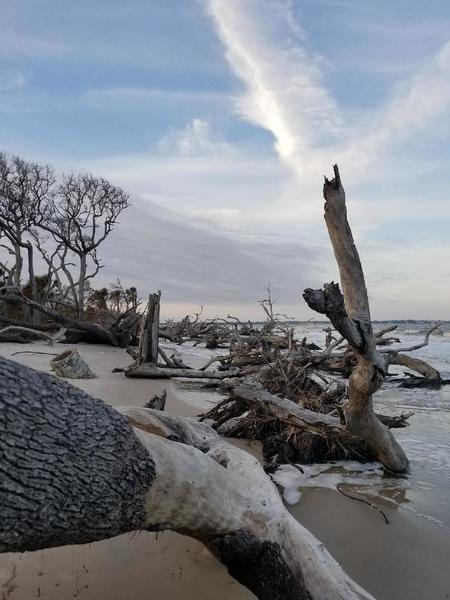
[(221, 117)]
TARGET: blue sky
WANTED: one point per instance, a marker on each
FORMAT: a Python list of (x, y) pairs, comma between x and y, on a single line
[(220, 117)]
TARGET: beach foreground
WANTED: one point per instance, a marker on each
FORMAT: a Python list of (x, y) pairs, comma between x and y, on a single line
[(407, 559)]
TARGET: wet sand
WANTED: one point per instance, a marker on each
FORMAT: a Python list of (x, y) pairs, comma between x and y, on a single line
[(408, 559)]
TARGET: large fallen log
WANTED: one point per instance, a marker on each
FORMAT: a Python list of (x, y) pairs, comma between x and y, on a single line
[(151, 371), (37, 326), (77, 330), (97, 474), (415, 364)]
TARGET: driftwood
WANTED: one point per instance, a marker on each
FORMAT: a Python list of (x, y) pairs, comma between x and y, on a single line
[(148, 339), (70, 364), (350, 315), (157, 402), (415, 364), (104, 474), (25, 334), (29, 325), (77, 330), (150, 371)]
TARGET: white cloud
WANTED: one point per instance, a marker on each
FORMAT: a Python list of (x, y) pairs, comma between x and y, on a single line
[(379, 150), (283, 80), (412, 109), (285, 92), (197, 138)]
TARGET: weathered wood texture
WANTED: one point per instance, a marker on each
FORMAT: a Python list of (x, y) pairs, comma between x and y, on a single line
[(73, 470), (350, 315), (148, 339), (151, 371)]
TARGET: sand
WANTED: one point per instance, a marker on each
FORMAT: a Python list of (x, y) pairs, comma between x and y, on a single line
[(136, 566), (406, 560)]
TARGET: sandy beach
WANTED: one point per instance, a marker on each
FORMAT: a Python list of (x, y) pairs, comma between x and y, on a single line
[(140, 566), (405, 560)]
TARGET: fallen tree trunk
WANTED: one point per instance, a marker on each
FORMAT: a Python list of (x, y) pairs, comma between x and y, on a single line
[(415, 364), (95, 476), (350, 315), (290, 413), (28, 324), (26, 334), (77, 331), (151, 371)]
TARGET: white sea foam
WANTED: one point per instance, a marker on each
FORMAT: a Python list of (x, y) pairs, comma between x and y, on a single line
[(326, 475)]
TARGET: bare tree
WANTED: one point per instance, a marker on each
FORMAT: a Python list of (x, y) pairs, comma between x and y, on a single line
[(80, 215), (23, 187)]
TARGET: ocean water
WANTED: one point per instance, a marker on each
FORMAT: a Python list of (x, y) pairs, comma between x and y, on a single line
[(425, 491)]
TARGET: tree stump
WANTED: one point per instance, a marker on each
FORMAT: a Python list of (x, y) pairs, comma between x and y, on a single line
[(69, 364)]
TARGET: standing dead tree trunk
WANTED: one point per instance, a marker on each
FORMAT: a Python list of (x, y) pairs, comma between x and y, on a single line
[(97, 474), (148, 339), (350, 315)]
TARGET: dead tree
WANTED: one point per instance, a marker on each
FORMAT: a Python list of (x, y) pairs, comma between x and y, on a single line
[(23, 186), (80, 215), (350, 315), (118, 334), (398, 356), (74, 470), (148, 339)]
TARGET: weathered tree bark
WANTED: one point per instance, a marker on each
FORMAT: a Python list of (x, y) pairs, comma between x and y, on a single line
[(70, 364), (18, 264), (350, 315), (37, 327), (415, 364), (148, 339), (74, 470), (150, 371), (82, 284), (398, 357)]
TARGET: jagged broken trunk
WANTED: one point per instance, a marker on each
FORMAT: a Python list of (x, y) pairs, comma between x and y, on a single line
[(350, 315)]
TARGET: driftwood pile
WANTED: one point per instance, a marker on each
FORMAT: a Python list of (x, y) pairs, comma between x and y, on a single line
[(294, 396), (283, 391), (290, 394)]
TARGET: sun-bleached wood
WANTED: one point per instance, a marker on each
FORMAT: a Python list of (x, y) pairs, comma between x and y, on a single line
[(349, 313)]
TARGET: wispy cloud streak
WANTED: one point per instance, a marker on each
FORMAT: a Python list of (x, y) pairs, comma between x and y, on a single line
[(285, 91)]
